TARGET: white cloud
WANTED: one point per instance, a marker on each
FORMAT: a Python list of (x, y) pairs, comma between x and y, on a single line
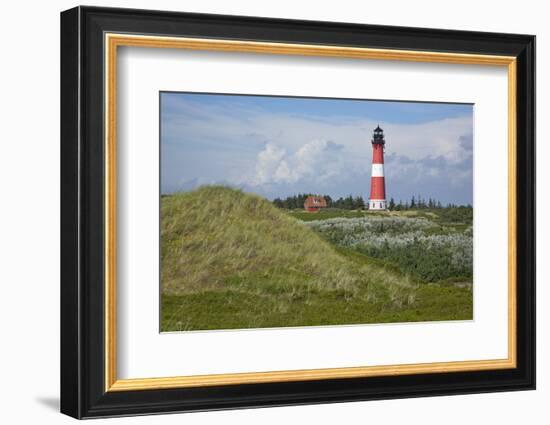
[(318, 159), (268, 164)]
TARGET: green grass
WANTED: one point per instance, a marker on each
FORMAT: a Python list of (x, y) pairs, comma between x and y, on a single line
[(327, 213), (232, 260), (324, 214), (234, 310)]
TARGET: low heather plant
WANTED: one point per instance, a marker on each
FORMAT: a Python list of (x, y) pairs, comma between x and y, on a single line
[(427, 250)]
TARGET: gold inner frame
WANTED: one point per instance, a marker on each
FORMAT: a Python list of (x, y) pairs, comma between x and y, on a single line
[(113, 41)]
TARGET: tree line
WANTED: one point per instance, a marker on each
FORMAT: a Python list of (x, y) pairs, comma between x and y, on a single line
[(297, 202), (357, 203), (419, 203)]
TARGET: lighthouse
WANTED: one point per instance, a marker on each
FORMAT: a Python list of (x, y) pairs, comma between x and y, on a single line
[(377, 200)]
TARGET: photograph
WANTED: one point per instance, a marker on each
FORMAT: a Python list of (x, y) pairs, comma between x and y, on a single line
[(283, 211)]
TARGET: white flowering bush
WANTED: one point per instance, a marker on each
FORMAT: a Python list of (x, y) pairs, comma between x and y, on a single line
[(427, 250)]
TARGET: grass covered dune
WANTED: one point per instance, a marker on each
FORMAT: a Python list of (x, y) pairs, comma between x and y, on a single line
[(230, 260)]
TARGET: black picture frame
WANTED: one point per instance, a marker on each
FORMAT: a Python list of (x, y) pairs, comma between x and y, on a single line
[(82, 218)]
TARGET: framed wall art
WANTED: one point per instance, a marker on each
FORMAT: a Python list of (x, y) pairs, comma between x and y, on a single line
[(261, 212)]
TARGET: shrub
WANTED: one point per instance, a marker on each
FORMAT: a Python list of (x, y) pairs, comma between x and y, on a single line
[(429, 251)]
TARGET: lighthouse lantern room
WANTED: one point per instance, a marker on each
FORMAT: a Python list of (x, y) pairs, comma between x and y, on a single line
[(377, 200)]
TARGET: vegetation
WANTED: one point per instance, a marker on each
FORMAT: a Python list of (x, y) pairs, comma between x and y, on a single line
[(232, 260), (324, 214), (358, 203), (297, 202), (423, 248)]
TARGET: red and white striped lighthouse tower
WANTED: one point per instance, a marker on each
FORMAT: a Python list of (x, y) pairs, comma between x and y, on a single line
[(377, 200)]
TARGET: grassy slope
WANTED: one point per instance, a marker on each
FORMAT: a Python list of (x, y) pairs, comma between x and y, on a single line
[(233, 260)]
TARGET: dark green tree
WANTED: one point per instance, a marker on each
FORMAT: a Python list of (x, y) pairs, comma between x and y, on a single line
[(359, 203)]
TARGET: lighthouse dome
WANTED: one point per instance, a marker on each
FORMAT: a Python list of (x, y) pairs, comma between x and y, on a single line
[(378, 136)]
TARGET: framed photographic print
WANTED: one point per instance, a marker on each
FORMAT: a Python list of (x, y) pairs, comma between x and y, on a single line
[(261, 212)]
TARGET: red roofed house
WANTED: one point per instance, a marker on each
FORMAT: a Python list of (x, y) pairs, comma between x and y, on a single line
[(314, 203)]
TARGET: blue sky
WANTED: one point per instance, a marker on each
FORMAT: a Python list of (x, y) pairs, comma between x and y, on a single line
[(280, 146)]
